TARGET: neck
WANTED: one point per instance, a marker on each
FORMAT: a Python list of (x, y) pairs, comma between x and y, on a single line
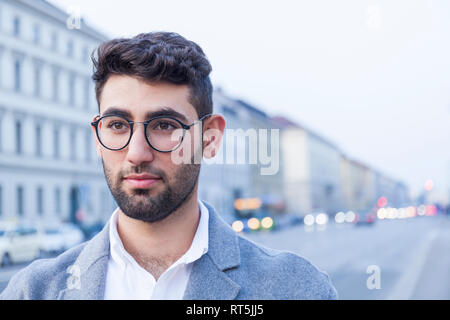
[(156, 246)]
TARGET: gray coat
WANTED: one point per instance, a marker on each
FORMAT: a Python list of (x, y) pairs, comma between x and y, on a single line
[(233, 268)]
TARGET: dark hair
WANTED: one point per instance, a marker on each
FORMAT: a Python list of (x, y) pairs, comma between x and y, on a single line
[(154, 57)]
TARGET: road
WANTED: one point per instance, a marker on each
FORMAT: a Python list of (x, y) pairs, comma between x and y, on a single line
[(407, 259), (411, 257)]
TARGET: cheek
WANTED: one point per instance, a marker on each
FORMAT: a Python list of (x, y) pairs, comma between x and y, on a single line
[(112, 161), (168, 166)]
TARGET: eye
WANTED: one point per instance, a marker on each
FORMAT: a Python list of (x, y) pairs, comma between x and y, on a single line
[(117, 125), (165, 125)]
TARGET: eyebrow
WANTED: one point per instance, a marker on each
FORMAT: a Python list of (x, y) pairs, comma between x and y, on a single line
[(164, 111)]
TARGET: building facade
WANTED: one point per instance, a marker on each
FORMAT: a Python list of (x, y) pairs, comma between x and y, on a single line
[(246, 166), (49, 169), (311, 166)]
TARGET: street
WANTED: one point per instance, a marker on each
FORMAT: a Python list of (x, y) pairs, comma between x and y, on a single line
[(411, 255)]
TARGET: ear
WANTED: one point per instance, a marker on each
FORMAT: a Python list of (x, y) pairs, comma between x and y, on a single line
[(212, 135), (98, 146)]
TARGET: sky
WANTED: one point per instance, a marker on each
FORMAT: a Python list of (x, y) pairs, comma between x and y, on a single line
[(371, 76)]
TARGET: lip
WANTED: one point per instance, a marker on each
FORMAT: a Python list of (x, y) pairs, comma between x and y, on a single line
[(142, 181)]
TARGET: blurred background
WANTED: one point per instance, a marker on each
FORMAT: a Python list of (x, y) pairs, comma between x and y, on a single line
[(359, 91)]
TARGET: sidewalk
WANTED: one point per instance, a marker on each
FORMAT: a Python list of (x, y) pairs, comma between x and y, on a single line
[(434, 281)]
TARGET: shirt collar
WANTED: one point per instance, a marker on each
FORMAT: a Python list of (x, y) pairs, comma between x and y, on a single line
[(198, 247)]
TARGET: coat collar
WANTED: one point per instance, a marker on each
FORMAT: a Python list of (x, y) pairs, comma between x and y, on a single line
[(86, 277), (208, 280)]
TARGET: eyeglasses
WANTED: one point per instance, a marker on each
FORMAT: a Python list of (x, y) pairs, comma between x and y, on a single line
[(163, 133)]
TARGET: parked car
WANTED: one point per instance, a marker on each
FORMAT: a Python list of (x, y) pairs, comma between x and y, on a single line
[(51, 240), (60, 237), (72, 235), (18, 243)]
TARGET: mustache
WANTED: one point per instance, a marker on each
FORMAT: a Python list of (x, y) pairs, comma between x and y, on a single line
[(142, 169)]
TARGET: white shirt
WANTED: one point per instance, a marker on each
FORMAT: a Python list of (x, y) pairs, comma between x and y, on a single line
[(126, 279)]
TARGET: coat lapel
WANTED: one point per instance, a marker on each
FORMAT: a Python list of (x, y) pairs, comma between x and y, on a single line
[(86, 278), (209, 280)]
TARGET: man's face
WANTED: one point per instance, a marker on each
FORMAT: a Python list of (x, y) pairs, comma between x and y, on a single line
[(146, 184)]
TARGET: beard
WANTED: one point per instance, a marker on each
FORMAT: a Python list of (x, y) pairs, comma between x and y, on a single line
[(140, 204)]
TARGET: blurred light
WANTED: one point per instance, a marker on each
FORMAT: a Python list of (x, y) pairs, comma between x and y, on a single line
[(392, 213), (434, 209), (340, 217), (402, 213), (382, 201), (239, 204), (253, 223), (247, 204), (308, 220), (238, 226), (370, 217), (382, 213), (322, 218), (267, 222), (430, 210), (429, 184), (421, 210), (411, 212), (350, 216)]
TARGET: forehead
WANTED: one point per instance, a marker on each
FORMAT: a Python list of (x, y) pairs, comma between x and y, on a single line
[(139, 98)]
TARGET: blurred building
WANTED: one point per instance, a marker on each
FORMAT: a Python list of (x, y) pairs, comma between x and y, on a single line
[(237, 171), (221, 183), (49, 169), (358, 185), (311, 170), (266, 175), (395, 192)]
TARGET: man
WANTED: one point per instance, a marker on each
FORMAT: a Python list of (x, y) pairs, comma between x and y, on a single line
[(155, 96)]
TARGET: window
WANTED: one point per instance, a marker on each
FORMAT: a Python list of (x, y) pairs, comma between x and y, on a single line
[(38, 142), (54, 44), (58, 200), (73, 144), (40, 201), (18, 137), (87, 91), (20, 208), (88, 145), (55, 84), (70, 48), (37, 81), (56, 143), (16, 26), (1, 200), (17, 75), (1, 134), (72, 89), (85, 54), (36, 34)]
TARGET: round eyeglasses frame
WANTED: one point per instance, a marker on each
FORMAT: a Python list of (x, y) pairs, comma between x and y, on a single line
[(146, 123)]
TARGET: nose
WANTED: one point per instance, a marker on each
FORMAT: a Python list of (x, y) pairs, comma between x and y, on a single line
[(139, 151)]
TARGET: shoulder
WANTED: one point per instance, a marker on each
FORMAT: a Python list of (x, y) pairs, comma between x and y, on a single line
[(43, 278), (282, 274)]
